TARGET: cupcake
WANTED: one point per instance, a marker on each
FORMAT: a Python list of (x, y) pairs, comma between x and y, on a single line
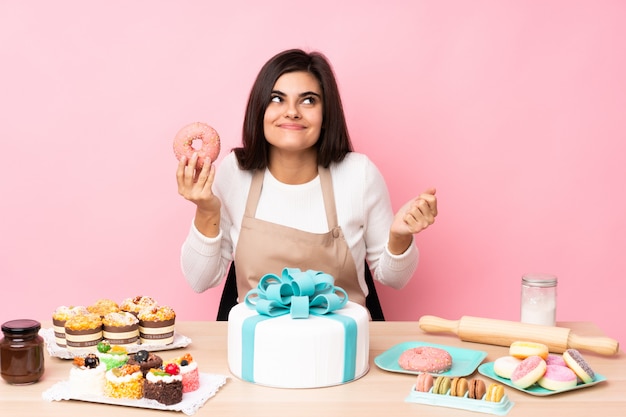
[(120, 328), (103, 306), (124, 382), (156, 325), (136, 304), (87, 376), (59, 317), (83, 331), (146, 361), (164, 386), (112, 356), (188, 370)]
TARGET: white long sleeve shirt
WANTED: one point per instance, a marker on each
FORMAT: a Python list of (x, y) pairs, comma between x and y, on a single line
[(364, 213)]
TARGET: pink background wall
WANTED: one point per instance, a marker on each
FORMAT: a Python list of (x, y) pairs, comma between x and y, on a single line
[(513, 110)]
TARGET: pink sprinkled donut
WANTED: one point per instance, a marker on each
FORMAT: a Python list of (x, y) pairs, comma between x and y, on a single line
[(197, 137), (558, 378), (528, 371), (425, 359)]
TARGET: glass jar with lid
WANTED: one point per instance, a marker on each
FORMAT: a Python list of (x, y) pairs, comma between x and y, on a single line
[(538, 299), (21, 352)]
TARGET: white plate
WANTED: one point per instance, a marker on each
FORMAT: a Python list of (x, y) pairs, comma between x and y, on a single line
[(192, 401), (57, 351)]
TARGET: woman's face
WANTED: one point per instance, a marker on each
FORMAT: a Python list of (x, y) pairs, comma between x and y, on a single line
[(293, 118)]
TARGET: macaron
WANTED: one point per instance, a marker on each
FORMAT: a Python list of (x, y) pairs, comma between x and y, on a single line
[(424, 382), (458, 387), (528, 371), (558, 378), (477, 389), (495, 392), (442, 385), (576, 363)]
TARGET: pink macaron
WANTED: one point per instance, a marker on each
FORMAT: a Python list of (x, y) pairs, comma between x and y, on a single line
[(557, 378), (424, 382), (529, 371)]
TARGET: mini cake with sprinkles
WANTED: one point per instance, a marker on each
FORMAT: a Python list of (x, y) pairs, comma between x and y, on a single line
[(87, 376), (146, 361), (120, 328), (83, 331), (103, 306), (124, 382), (164, 386), (156, 325), (188, 370), (112, 356), (135, 304), (60, 316)]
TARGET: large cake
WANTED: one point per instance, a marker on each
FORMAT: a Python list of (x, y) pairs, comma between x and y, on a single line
[(298, 331)]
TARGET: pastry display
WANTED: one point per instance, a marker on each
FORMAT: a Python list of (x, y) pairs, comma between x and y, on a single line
[(134, 321), (425, 359)]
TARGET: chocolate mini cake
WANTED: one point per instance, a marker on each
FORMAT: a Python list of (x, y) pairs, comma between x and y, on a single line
[(146, 361), (165, 387)]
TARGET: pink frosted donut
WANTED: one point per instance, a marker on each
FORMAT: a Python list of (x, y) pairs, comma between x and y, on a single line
[(554, 359), (425, 359), (528, 371), (197, 137), (557, 378)]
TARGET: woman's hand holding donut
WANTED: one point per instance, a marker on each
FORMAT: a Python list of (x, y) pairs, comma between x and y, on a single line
[(196, 186), (415, 216)]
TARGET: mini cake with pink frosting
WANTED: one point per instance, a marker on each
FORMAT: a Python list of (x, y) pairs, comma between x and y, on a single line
[(188, 370)]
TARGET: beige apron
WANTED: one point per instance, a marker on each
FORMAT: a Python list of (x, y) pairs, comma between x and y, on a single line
[(266, 247)]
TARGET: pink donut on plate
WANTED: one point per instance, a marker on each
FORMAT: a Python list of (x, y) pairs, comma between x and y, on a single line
[(505, 365), (558, 378), (554, 359), (528, 371), (197, 137), (425, 359)]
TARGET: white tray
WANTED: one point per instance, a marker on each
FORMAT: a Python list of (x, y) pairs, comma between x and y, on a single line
[(192, 401), (57, 351)]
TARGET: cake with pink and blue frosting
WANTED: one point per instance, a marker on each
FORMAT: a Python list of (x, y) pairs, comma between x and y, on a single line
[(298, 330)]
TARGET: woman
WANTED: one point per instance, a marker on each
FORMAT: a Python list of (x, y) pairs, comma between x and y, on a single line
[(295, 194)]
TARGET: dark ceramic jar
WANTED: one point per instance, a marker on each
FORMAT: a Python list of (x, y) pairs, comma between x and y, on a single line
[(21, 352)]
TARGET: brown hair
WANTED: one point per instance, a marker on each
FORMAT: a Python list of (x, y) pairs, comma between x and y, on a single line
[(334, 141)]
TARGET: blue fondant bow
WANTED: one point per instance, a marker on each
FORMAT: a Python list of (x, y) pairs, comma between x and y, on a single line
[(296, 292)]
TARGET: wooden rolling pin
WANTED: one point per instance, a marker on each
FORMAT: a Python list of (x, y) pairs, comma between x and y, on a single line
[(503, 333)]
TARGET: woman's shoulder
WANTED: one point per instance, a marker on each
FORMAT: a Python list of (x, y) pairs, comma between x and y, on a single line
[(354, 162)]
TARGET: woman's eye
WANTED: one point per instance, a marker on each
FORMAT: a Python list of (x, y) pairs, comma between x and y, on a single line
[(309, 100), (276, 99)]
